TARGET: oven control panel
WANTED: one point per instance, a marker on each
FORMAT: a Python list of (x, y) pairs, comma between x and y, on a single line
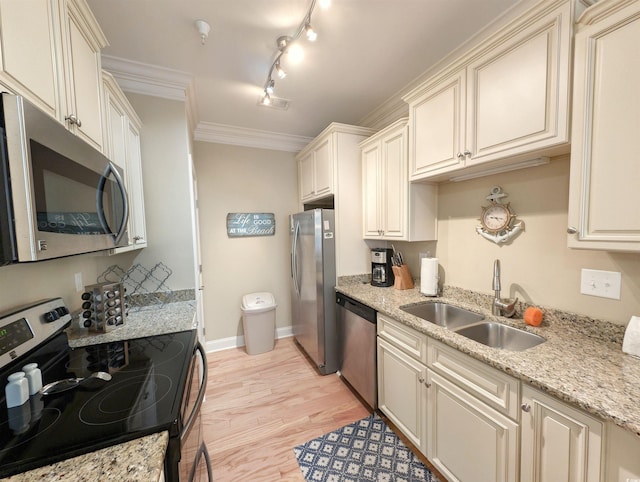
[(23, 328)]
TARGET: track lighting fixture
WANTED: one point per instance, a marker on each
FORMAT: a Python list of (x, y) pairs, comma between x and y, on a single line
[(289, 45), (203, 29)]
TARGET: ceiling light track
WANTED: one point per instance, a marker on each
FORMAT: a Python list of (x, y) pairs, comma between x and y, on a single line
[(285, 45)]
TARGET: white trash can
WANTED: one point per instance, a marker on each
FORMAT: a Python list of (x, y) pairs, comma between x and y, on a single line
[(259, 322)]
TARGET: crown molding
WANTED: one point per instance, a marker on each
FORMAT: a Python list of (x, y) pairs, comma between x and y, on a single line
[(245, 137), (147, 79)]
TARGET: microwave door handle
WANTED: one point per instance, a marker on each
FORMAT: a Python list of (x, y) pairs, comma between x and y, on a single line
[(111, 169), (201, 393)]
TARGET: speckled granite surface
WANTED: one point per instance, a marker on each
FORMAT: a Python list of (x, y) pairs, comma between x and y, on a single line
[(581, 362), (168, 318), (140, 460)]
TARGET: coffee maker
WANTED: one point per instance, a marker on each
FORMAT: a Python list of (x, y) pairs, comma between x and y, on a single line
[(381, 272)]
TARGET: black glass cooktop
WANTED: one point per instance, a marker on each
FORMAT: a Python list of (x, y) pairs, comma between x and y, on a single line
[(143, 397)]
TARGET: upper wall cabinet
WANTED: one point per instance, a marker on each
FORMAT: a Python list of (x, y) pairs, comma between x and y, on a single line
[(122, 146), (504, 102), (604, 174), (393, 208), (51, 55)]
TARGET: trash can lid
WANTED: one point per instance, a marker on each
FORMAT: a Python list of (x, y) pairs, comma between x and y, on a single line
[(257, 302)]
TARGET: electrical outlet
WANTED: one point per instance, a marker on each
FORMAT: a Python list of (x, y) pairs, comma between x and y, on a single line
[(79, 283), (605, 284)]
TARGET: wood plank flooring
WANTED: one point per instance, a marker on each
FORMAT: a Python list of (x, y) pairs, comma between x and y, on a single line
[(258, 407)]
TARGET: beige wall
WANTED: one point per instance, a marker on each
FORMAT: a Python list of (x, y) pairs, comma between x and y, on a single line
[(239, 179), (167, 188), (537, 266), (28, 282)]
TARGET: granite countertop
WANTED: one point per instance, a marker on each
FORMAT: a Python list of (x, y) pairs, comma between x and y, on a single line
[(581, 362), (141, 459)]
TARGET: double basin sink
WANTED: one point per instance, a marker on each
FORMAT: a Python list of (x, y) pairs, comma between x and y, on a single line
[(474, 326)]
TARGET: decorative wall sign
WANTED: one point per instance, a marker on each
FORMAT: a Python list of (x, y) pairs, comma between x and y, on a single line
[(250, 224), (497, 219)]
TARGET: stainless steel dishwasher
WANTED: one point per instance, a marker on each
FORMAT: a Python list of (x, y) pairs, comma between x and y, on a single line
[(357, 361)]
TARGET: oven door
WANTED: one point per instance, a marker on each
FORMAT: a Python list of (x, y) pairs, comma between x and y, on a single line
[(68, 198), (194, 465)]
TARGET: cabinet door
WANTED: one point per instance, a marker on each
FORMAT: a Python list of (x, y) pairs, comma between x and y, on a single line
[(436, 129), (517, 93), (83, 78), (28, 39), (137, 222), (559, 442), (402, 393), (370, 190), (603, 193), (468, 440), (305, 177), (323, 168), (393, 193)]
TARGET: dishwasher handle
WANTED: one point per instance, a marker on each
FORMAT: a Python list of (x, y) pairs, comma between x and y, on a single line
[(363, 311)]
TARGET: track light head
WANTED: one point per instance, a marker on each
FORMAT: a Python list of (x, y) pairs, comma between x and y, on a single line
[(270, 87), (280, 71), (310, 33)]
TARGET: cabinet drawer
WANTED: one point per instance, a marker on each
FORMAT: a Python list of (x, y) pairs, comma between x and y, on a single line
[(495, 388), (411, 341)]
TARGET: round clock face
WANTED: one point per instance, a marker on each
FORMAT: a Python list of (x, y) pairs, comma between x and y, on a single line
[(496, 217)]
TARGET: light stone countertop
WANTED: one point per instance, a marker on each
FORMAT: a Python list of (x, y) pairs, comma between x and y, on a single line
[(139, 460), (581, 362)]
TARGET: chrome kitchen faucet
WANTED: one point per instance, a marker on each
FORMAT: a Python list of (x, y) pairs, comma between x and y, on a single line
[(499, 308)]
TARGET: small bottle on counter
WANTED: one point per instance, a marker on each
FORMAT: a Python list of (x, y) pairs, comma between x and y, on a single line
[(34, 377), (17, 390)]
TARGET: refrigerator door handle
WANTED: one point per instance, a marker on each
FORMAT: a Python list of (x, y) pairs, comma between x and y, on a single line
[(294, 259)]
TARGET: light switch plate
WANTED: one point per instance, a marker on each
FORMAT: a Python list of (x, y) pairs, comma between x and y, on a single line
[(605, 284), (78, 279)]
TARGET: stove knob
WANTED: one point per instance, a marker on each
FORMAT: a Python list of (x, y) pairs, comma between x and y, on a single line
[(62, 310), (51, 316)]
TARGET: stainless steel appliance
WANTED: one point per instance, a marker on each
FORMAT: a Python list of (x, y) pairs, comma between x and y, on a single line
[(381, 272), (358, 359), (313, 278), (59, 195), (157, 384)]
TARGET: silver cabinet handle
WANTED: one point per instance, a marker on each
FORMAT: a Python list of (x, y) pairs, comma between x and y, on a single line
[(73, 120), (571, 230), (467, 153), (460, 155), (427, 384), (525, 407), (421, 379)]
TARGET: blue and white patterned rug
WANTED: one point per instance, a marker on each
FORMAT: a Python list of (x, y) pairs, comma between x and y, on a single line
[(366, 450)]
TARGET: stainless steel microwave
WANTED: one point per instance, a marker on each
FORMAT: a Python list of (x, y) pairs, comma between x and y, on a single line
[(58, 195)]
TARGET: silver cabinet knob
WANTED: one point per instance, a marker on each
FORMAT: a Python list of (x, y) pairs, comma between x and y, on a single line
[(427, 384), (460, 155), (421, 379), (73, 120), (571, 230), (467, 153), (525, 407)]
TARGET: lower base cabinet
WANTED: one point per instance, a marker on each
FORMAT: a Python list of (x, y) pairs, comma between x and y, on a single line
[(476, 423), (402, 393), (559, 442), (466, 439)]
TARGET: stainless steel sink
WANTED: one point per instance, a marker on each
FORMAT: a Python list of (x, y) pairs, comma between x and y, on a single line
[(497, 335), (443, 314)]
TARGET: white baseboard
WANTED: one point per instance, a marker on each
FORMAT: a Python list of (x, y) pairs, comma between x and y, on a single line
[(238, 341)]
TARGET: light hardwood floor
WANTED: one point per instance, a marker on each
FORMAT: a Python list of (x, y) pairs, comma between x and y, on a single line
[(258, 407)]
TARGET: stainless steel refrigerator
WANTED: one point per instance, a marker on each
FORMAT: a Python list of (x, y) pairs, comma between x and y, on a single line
[(313, 278)]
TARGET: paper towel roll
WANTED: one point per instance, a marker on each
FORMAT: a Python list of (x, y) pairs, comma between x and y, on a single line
[(429, 276), (631, 341)]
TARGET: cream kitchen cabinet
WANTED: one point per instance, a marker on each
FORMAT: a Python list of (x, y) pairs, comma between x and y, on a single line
[(30, 42), (393, 208), (472, 417), (51, 55), (504, 102), (122, 146), (320, 162), (559, 442), (604, 177), (402, 375)]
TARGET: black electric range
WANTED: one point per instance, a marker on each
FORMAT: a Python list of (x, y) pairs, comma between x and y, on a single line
[(147, 392)]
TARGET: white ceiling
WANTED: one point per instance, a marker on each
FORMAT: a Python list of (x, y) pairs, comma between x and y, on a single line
[(366, 52)]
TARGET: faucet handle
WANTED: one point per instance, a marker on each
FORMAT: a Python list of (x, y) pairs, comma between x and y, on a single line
[(510, 309)]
